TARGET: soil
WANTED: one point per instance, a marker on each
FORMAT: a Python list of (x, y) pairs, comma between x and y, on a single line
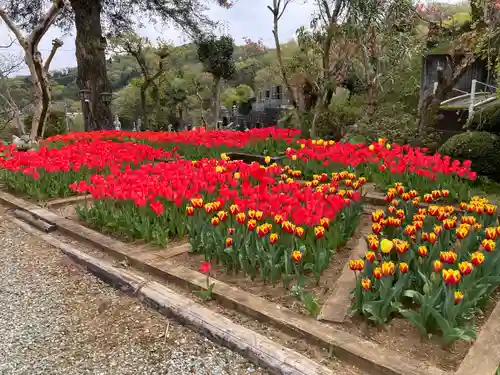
[(278, 293), (398, 335)]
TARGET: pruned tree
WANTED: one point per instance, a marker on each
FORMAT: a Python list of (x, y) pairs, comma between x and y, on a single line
[(9, 110), (199, 83), (216, 55), (278, 8), (384, 31), (151, 69), (29, 42)]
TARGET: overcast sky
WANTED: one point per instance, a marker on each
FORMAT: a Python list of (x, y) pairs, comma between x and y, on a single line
[(247, 18)]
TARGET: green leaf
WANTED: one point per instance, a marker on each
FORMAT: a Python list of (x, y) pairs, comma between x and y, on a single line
[(415, 318), (415, 296)]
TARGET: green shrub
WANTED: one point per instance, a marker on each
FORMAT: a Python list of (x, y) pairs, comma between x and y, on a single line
[(482, 148), (340, 116), (55, 123), (488, 119), (400, 128)]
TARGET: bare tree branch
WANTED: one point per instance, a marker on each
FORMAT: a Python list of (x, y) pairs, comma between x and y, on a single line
[(12, 41), (56, 44), (12, 27)]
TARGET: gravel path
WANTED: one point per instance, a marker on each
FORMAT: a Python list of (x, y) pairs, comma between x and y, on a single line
[(57, 319)]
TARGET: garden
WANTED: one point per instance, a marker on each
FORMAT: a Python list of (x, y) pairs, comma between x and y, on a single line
[(285, 228)]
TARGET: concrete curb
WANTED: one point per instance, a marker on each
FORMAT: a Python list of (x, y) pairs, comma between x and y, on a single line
[(264, 352)]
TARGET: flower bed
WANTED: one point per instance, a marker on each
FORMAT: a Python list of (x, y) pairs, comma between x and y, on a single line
[(47, 173), (248, 218), (434, 266), (263, 226), (384, 164)]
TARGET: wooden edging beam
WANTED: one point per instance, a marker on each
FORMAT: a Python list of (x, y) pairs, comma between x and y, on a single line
[(362, 353), (254, 346), (484, 356), (336, 307), (55, 203)]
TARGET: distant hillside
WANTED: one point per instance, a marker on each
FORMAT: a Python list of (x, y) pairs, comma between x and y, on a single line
[(123, 69)]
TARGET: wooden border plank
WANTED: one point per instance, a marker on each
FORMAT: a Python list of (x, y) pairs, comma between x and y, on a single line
[(55, 203), (337, 305), (362, 353), (484, 356)]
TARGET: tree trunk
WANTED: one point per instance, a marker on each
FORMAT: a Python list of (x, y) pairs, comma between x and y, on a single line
[(144, 111), (430, 108), (202, 115), (7, 98), (90, 47), (371, 100), (217, 85), (277, 14), (46, 95), (37, 94), (317, 110)]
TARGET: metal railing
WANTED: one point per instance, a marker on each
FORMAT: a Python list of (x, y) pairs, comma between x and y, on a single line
[(489, 96)]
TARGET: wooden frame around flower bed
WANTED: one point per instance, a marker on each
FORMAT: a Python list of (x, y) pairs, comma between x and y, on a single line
[(483, 356)]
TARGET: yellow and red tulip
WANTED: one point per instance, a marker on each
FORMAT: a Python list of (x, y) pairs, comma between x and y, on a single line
[(299, 231), (451, 277), (319, 231), (357, 264), (437, 266), (222, 215), (252, 224), (388, 268), (465, 268), (423, 251), (457, 297), (490, 233), (370, 256), (189, 210), (448, 257), (477, 258), (296, 256), (403, 267), (366, 284), (488, 245), (241, 218), (215, 221)]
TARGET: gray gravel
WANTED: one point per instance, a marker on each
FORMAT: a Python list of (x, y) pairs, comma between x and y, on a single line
[(57, 319)]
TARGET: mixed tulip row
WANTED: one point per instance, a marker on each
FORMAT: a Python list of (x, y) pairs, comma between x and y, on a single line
[(68, 158), (249, 217), (385, 164), (279, 244), (434, 266)]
